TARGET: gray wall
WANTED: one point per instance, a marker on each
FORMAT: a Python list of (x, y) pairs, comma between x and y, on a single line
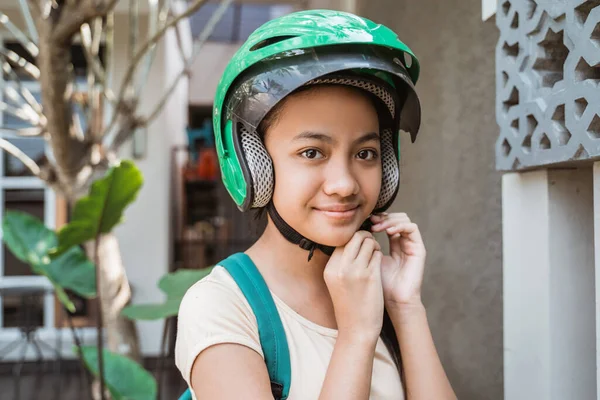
[(449, 186)]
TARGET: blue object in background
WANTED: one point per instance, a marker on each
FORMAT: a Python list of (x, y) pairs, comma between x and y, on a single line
[(205, 132)]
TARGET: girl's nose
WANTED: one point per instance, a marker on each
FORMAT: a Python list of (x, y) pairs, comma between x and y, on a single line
[(339, 179)]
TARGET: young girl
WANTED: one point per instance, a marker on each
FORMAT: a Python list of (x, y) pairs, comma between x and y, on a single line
[(307, 118)]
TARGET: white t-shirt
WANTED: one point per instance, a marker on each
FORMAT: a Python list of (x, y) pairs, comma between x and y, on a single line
[(215, 311)]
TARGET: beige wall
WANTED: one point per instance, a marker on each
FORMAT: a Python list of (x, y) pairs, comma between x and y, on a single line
[(145, 237), (449, 186)]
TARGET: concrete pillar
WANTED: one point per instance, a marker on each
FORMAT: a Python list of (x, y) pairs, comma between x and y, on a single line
[(596, 177), (549, 294)]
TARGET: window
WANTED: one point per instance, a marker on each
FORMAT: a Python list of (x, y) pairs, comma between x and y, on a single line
[(20, 191)]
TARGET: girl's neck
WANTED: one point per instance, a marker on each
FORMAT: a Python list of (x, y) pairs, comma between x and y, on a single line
[(280, 259)]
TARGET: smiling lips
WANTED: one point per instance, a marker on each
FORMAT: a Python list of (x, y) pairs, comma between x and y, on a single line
[(339, 211)]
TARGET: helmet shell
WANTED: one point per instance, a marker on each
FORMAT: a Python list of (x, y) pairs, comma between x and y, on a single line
[(290, 51)]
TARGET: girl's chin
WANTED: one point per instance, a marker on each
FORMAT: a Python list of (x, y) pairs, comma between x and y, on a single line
[(333, 236)]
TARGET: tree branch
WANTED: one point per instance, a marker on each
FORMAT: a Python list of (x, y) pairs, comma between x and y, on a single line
[(24, 158), (21, 37), (25, 93), (91, 58), (156, 19), (24, 132), (25, 113), (210, 26), (28, 67), (55, 63), (28, 20), (144, 48)]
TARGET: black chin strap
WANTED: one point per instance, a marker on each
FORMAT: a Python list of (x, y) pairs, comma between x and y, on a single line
[(294, 237)]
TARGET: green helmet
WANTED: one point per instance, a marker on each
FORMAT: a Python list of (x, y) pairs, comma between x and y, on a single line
[(306, 48)]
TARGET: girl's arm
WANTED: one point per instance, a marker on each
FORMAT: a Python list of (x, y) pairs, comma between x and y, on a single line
[(423, 372), (349, 374), (353, 277), (402, 276)]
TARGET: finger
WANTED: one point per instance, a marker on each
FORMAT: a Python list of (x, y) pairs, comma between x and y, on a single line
[(407, 229), (353, 247), (389, 222), (366, 252), (398, 235), (375, 262)]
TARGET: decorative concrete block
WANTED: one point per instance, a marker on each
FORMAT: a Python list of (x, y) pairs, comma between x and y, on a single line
[(547, 83)]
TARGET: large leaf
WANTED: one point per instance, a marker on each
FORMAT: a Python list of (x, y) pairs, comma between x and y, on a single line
[(152, 311), (174, 284), (124, 378), (102, 209), (27, 237), (30, 241), (72, 270)]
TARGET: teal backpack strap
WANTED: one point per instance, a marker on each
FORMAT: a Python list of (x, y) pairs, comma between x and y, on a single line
[(270, 329)]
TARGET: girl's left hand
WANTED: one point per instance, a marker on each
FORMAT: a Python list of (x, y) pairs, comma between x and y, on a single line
[(402, 270)]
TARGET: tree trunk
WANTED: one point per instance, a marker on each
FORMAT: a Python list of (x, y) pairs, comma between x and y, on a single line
[(115, 294)]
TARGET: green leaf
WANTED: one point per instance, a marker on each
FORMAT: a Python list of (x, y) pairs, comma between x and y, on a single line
[(174, 284), (27, 237), (63, 297), (124, 378), (102, 209), (72, 270), (152, 311), (30, 241)]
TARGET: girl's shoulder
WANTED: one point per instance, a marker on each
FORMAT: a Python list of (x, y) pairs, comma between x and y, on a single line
[(213, 311), (217, 289)]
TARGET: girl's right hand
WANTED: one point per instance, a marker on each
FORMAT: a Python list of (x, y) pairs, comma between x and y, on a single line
[(353, 277)]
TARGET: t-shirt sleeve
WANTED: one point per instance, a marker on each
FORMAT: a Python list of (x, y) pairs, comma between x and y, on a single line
[(212, 313)]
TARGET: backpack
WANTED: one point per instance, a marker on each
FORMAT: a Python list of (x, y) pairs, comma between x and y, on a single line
[(270, 328)]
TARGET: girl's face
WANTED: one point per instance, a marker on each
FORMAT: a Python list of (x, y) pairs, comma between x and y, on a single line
[(326, 153)]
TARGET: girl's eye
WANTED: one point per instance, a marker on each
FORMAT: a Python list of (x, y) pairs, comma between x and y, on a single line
[(312, 154), (367, 155)]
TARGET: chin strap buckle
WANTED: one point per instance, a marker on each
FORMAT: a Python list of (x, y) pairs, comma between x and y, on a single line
[(308, 245)]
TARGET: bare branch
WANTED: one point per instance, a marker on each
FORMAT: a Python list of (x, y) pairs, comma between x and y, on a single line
[(90, 55), (163, 100), (28, 20), (21, 37), (97, 36), (24, 132), (24, 158), (24, 91), (134, 14), (109, 35), (210, 26), (179, 43), (28, 67), (73, 15), (144, 48), (156, 19), (25, 112)]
